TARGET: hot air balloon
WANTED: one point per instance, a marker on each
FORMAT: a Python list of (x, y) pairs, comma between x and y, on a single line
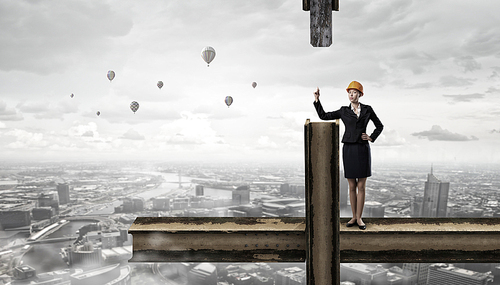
[(208, 54), (229, 101), (111, 75), (134, 106), (98, 113), (72, 95), (254, 84), (159, 84)]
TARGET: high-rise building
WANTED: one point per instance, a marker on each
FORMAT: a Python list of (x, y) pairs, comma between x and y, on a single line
[(365, 274), (447, 274), (199, 190), (110, 274), (284, 188), (241, 195), (14, 219), (420, 269), (50, 199), (407, 277), (24, 272), (344, 190), (290, 276), (496, 274), (373, 209), (42, 213), (83, 256), (203, 274), (161, 203), (63, 192), (416, 206), (435, 203)]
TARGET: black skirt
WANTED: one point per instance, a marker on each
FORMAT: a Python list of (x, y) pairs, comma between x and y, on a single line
[(357, 160)]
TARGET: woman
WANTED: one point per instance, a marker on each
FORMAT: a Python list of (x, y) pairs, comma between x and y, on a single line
[(356, 149)]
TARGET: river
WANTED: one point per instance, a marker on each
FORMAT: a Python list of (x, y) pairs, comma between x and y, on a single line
[(46, 257)]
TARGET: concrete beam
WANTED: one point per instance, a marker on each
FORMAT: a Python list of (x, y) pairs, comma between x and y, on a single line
[(322, 201), (183, 239), (453, 240), (448, 240)]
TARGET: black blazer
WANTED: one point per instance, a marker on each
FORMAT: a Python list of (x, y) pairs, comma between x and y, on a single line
[(354, 126)]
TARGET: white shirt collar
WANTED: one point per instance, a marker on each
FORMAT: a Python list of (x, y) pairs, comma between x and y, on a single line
[(359, 109)]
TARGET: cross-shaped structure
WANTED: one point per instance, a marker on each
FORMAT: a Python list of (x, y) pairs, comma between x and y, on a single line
[(321, 20), (319, 239)]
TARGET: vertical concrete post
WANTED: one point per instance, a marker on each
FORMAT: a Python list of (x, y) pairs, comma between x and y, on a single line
[(321, 142), (320, 15)]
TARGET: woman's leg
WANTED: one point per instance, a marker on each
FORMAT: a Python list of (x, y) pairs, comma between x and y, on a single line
[(360, 199), (352, 197)]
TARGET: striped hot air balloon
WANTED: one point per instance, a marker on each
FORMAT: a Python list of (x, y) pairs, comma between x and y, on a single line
[(134, 106), (228, 100), (254, 84), (72, 95), (208, 54), (159, 84), (111, 75), (98, 113)]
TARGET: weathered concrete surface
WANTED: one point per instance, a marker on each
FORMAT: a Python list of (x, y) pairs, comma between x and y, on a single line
[(322, 201), (422, 240), (223, 224), (306, 5), (321, 23), (218, 239), (384, 240)]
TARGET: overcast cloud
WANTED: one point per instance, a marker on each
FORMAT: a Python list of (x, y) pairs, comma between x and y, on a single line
[(421, 65), (436, 133)]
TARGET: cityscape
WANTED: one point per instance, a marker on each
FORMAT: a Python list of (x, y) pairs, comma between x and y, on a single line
[(67, 223)]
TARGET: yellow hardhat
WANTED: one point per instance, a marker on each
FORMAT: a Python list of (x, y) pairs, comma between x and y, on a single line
[(355, 85)]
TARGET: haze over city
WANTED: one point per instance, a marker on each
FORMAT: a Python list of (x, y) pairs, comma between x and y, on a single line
[(77, 165)]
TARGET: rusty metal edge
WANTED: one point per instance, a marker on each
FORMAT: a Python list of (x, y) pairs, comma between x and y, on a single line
[(219, 220), (424, 256), (306, 5), (218, 256), (428, 221)]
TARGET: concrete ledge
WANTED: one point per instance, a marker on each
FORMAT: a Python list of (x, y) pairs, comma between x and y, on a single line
[(422, 240), (475, 240), (183, 239)]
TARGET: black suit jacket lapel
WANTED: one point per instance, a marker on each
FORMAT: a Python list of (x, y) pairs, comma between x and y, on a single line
[(364, 109)]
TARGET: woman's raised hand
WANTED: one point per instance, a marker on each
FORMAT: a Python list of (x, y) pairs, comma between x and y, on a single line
[(316, 94)]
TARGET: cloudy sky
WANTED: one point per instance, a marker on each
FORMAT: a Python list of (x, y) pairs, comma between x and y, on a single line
[(430, 70)]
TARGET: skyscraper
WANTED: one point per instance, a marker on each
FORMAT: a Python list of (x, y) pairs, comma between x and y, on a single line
[(361, 273), (373, 209), (444, 274), (63, 192), (199, 190), (420, 269), (344, 189), (435, 201)]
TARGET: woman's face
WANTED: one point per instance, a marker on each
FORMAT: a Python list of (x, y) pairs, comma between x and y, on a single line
[(353, 95)]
